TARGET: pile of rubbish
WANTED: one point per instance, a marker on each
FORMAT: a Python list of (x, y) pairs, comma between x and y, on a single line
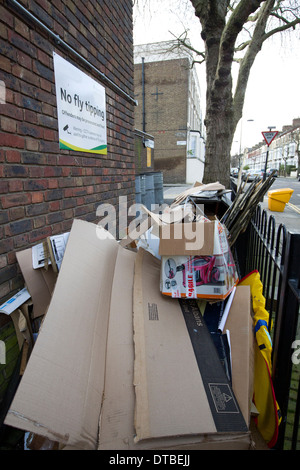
[(145, 342)]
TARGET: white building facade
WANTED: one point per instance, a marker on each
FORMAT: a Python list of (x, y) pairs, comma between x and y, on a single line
[(283, 152)]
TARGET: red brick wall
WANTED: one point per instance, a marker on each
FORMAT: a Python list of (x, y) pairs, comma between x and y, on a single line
[(43, 188)]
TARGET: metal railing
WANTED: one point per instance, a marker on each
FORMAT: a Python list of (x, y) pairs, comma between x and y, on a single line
[(275, 253)]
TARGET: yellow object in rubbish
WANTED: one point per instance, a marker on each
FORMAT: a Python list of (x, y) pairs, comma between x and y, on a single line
[(278, 198), (269, 415)]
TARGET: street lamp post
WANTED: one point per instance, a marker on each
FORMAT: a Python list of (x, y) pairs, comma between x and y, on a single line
[(241, 134), (241, 157)]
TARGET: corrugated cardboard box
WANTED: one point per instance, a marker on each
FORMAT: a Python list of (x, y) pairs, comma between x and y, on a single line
[(180, 385), (196, 261), (114, 365)]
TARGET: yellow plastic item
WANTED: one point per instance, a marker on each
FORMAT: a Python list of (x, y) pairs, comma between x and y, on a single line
[(278, 198), (269, 417)]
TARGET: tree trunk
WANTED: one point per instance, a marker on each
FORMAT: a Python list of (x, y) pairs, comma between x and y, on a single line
[(219, 138), (221, 22), (222, 110), (218, 119), (219, 111)]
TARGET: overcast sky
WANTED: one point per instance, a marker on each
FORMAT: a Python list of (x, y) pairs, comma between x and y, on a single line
[(273, 93)]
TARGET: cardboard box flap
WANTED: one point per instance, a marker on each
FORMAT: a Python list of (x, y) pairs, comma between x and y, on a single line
[(116, 429), (197, 189), (154, 220), (190, 238), (40, 283), (61, 391), (170, 215), (233, 320), (239, 323), (179, 390)]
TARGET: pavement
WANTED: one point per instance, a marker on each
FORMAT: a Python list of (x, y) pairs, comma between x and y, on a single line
[(289, 217)]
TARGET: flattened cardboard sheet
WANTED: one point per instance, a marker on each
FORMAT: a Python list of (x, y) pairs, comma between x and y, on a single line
[(181, 388), (167, 391), (79, 385), (234, 321), (116, 429), (240, 325), (117, 425), (60, 394)]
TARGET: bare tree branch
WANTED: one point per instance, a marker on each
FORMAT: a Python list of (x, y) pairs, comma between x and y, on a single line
[(183, 41), (282, 28), (232, 31)]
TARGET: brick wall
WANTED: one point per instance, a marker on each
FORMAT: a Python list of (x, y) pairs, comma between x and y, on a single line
[(166, 105), (43, 188)]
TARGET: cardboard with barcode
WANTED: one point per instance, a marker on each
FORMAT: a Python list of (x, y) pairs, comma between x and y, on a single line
[(114, 365), (196, 260)]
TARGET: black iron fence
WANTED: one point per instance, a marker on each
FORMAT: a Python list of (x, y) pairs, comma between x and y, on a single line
[(275, 253)]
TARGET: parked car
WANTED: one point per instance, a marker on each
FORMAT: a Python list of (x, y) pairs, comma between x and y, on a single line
[(251, 175), (234, 172), (262, 171), (272, 170)]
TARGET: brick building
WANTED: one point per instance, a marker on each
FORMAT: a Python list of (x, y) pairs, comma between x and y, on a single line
[(168, 95), (43, 187)]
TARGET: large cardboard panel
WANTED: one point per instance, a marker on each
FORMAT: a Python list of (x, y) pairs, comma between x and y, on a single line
[(117, 424), (82, 371), (61, 391), (168, 385), (240, 325), (121, 410), (179, 380)]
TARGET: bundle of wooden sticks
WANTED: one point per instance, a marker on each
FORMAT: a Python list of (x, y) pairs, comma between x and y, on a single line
[(240, 212)]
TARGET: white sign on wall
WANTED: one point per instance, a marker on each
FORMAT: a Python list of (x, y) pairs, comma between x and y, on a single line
[(81, 109)]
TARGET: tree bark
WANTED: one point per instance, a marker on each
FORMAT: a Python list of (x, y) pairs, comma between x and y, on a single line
[(221, 22), (222, 114)]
